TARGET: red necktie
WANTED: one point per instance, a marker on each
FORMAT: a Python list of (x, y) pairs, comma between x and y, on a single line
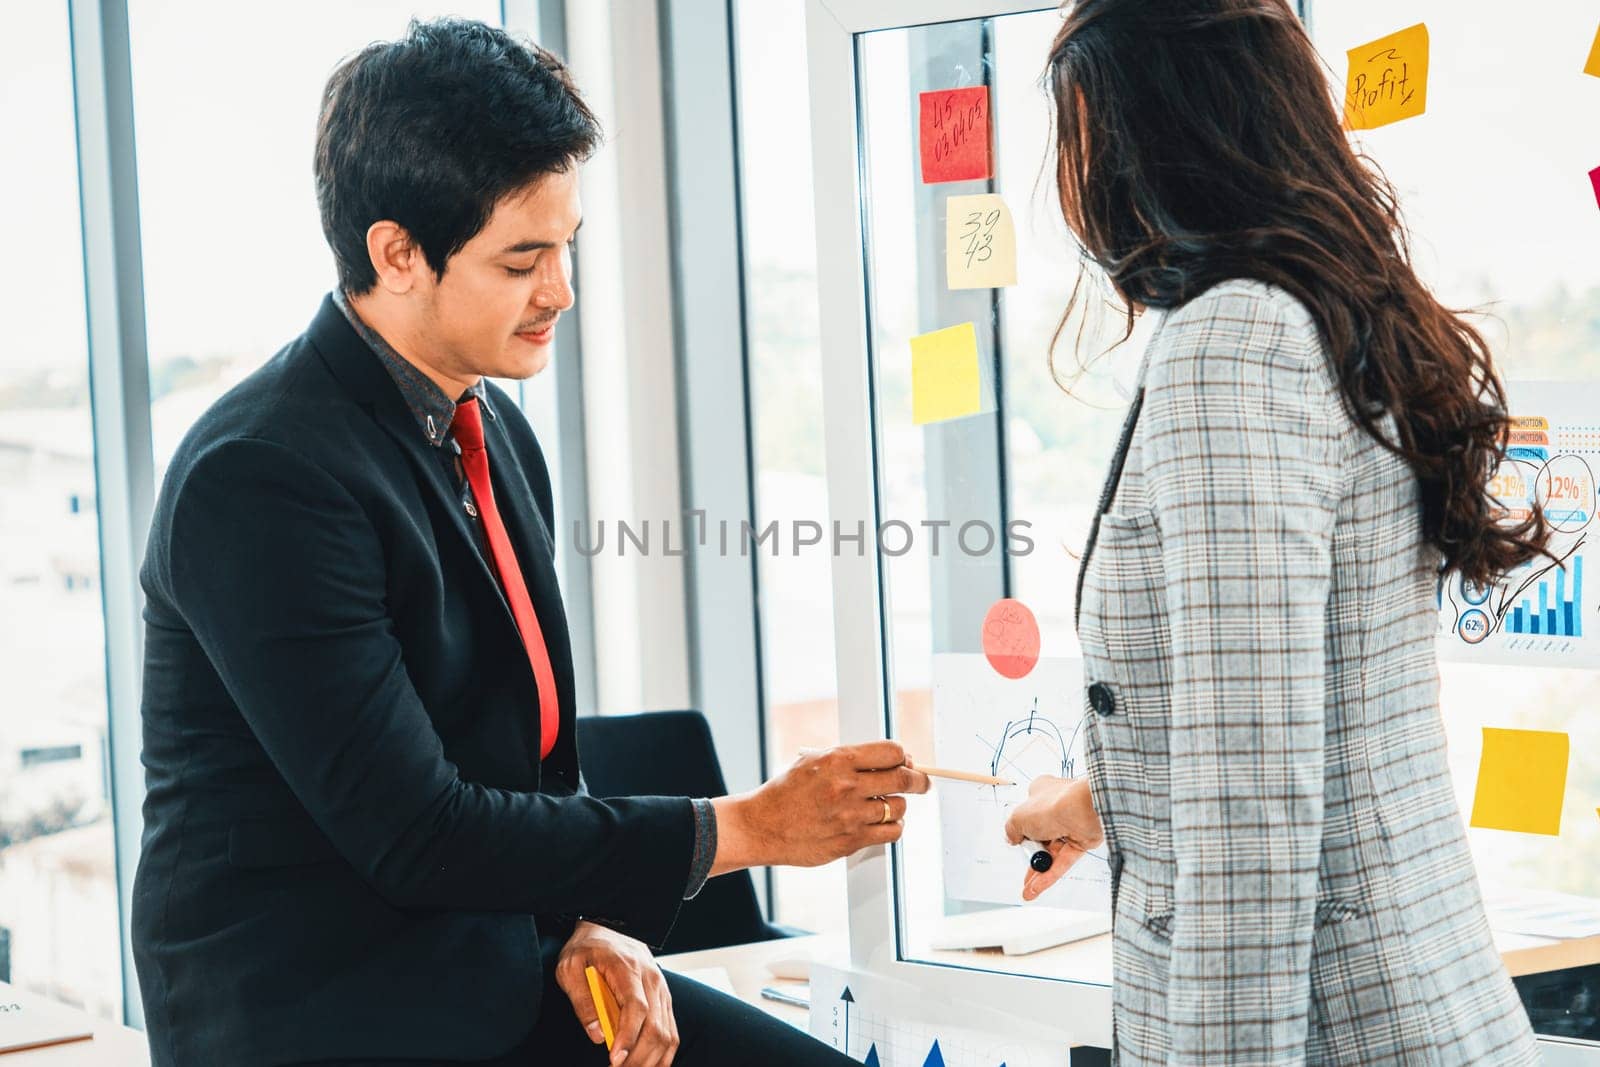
[(468, 429)]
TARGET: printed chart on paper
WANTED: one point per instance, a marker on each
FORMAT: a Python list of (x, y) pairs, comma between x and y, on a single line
[(883, 1023), (1543, 612)]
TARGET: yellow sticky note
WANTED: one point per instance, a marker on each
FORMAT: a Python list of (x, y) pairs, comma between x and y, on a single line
[(944, 374), (1521, 781), (980, 243), (1388, 79), (1593, 66)]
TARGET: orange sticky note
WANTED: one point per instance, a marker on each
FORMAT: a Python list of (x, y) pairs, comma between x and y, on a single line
[(1388, 79), (1593, 66), (945, 381), (605, 1005), (954, 135), (1522, 780)]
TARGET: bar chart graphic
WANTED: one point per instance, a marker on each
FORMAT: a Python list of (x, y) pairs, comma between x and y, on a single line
[(1554, 610), (1541, 612)]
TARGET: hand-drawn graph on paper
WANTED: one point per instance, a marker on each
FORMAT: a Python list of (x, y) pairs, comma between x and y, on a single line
[(1017, 729), (881, 1023), (1544, 610)]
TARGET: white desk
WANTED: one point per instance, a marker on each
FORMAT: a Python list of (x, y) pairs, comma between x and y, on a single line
[(113, 1045), (747, 968), (1087, 960)]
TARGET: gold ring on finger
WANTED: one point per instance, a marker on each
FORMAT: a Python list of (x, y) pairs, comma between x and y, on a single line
[(888, 812)]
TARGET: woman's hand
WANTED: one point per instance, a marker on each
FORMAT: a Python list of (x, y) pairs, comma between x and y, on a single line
[(1059, 813)]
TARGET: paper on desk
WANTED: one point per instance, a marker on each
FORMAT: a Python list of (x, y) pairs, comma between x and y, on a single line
[(1545, 913), (29, 1022), (884, 1023)]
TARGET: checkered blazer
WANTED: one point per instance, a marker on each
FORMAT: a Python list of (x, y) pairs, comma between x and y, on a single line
[(1292, 880)]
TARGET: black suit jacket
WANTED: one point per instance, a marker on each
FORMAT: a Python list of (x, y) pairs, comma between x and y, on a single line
[(350, 843)]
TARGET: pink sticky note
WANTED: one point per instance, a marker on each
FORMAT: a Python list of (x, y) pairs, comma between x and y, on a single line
[(954, 132), (1594, 179), (1011, 638)]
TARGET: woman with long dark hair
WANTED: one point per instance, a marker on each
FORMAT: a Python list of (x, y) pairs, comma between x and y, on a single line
[(1308, 449)]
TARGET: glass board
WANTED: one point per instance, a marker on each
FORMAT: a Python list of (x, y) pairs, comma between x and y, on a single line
[(989, 449)]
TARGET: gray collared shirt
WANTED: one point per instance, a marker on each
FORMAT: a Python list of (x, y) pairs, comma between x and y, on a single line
[(435, 412), (432, 406)]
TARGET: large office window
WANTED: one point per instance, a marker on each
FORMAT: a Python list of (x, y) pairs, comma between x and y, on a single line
[(800, 698), (1529, 272), (58, 902), (785, 369), (225, 109), (785, 365), (1495, 193)]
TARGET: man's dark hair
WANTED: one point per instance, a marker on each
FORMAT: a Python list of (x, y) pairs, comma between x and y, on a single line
[(433, 130)]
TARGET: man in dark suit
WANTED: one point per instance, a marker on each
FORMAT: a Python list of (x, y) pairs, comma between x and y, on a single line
[(366, 835)]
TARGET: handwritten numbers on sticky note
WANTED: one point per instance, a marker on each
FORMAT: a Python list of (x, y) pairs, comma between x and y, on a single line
[(1593, 66), (954, 135), (1388, 79), (976, 226), (1522, 779), (945, 382), (980, 243)]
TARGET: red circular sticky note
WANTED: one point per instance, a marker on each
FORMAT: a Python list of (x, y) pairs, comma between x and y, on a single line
[(1011, 638)]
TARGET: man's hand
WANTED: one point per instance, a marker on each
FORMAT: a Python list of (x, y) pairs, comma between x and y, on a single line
[(825, 807), (647, 1034), (1059, 813)]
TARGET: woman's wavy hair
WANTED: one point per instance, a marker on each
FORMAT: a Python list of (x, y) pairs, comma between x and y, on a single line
[(1197, 141)]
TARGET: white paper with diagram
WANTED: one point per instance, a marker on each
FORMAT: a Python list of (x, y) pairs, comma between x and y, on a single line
[(1017, 729)]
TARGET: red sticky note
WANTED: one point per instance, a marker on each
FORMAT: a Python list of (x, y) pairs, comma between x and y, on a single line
[(1011, 638), (1594, 179), (955, 135)]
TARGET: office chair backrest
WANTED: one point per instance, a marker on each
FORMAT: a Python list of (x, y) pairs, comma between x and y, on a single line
[(670, 753)]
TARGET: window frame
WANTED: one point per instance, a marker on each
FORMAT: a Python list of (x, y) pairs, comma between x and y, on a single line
[(715, 441), (119, 389)]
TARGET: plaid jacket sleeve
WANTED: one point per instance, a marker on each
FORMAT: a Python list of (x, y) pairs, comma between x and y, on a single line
[(1242, 449)]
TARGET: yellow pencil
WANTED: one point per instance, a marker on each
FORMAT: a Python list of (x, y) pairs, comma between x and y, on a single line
[(605, 1005)]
